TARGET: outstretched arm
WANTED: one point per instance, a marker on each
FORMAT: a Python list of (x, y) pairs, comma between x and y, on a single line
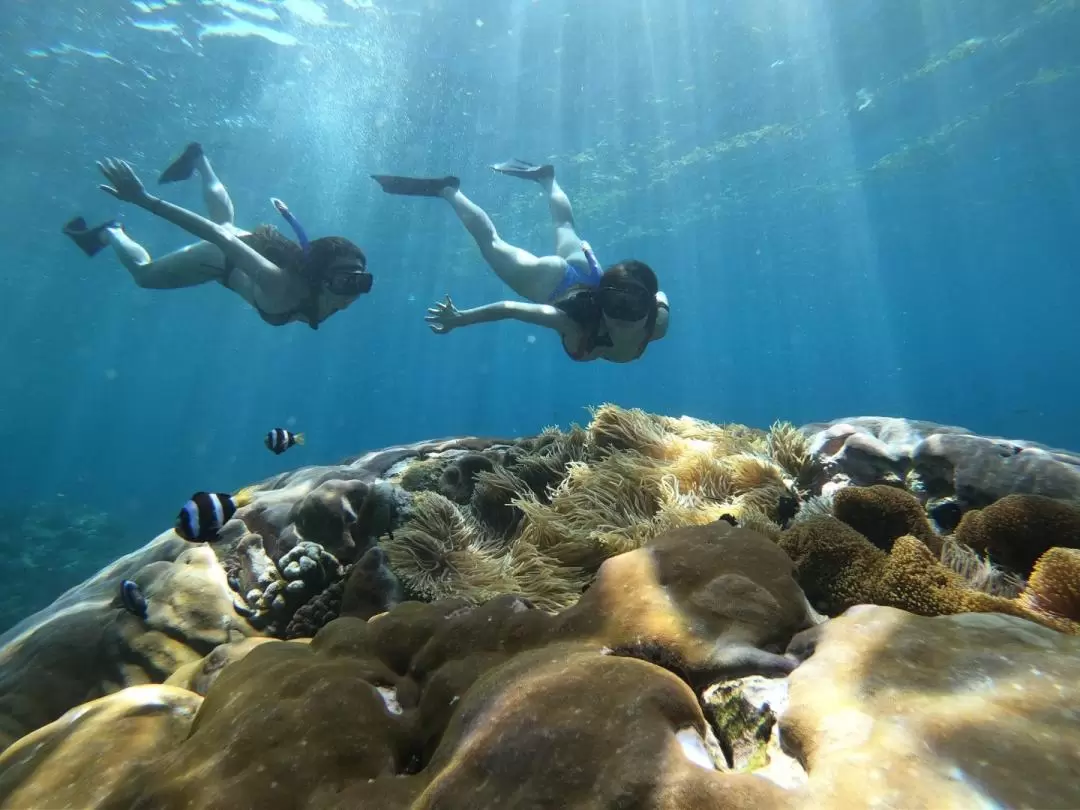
[(444, 316), (126, 186)]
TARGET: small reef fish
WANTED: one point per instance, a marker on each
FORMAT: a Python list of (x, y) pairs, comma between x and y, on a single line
[(279, 440), (132, 598), (204, 514)]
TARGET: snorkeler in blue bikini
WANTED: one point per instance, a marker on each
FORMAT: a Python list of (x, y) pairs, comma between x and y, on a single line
[(612, 314), (285, 281)]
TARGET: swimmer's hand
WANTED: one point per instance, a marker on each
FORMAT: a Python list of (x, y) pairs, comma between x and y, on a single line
[(443, 317), (126, 186)]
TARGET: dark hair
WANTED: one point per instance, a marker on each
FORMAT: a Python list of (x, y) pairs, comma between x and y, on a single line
[(272, 244), (628, 291), (325, 250)]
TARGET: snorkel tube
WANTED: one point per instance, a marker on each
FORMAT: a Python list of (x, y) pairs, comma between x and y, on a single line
[(298, 229)]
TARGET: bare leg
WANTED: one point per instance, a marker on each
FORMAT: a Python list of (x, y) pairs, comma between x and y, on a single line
[(567, 242), (532, 277), (187, 267), (216, 197)]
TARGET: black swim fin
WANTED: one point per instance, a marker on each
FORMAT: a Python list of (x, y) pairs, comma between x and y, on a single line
[(184, 166), (415, 186), (525, 170), (88, 239)]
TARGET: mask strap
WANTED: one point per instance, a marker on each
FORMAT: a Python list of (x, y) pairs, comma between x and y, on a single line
[(298, 229)]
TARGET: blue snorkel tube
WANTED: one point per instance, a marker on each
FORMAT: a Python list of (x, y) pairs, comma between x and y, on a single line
[(298, 229), (351, 283)]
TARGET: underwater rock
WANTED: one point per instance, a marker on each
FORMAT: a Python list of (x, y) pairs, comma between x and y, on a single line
[(189, 613), (849, 452), (938, 461), (386, 463), (980, 470), (345, 517), (719, 600), (886, 707), (495, 754), (973, 710), (372, 587), (744, 715)]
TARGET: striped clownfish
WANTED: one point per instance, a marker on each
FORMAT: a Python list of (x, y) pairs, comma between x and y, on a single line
[(279, 440), (204, 514)]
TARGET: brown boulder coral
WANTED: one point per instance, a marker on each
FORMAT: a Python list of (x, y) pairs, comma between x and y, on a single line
[(1016, 530), (447, 705), (495, 754), (715, 598), (953, 712), (84, 757)]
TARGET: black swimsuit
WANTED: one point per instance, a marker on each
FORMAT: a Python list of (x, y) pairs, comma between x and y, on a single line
[(308, 308)]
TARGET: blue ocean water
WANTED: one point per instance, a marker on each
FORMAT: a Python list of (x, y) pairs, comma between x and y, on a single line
[(854, 208)]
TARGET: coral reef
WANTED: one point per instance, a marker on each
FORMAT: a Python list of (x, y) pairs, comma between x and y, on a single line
[(608, 615)]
